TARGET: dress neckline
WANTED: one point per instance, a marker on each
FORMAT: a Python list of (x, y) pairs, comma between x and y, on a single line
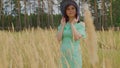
[(69, 23)]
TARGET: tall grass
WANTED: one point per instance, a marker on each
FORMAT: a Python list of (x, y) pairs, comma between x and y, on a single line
[(29, 49), (40, 49), (91, 39)]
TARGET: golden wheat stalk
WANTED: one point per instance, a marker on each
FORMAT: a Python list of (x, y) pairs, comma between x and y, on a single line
[(91, 39)]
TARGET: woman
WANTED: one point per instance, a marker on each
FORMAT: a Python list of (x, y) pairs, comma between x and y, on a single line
[(69, 33)]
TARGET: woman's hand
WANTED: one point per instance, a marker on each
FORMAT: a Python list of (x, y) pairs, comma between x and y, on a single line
[(63, 22), (60, 33), (75, 20)]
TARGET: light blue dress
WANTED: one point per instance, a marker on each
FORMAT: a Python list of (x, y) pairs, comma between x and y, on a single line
[(70, 49)]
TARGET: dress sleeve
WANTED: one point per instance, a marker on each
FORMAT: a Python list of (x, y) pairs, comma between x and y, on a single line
[(81, 29)]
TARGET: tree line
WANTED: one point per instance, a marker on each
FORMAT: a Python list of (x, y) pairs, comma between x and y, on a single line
[(105, 14)]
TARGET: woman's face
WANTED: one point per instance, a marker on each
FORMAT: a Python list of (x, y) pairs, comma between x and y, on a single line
[(71, 11)]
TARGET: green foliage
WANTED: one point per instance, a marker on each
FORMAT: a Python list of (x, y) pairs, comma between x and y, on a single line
[(30, 21), (116, 13)]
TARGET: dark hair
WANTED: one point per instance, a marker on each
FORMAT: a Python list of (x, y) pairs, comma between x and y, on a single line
[(66, 17)]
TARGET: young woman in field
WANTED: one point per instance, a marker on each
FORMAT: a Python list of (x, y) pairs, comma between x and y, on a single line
[(70, 31)]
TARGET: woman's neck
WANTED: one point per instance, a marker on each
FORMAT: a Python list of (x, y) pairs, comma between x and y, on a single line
[(71, 19)]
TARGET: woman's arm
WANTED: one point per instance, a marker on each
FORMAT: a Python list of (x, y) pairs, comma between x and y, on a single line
[(76, 34), (59, 34)]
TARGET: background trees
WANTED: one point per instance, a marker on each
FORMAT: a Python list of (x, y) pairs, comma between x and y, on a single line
[(45, 13)]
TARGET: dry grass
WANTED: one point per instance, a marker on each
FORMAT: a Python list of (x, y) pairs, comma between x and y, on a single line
[(29, 49), (40, 49), (91, 39)]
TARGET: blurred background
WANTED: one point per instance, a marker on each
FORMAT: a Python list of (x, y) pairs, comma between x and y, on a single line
[(22, 14)]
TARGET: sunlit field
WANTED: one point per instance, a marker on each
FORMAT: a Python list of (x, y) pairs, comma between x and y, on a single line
[(38, 48)]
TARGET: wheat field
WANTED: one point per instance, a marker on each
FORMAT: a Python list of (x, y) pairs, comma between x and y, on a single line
[(39, 48)]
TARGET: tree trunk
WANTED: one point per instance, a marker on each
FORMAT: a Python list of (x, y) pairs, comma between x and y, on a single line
[(25, 15), (96, 15), (105, 16), (111, 17), (38, 17), (48, 15), (0, 9), (103, 12), (51, 15), (50, 12), (1, 14), (18, 22), (42, 12), (19, 11)]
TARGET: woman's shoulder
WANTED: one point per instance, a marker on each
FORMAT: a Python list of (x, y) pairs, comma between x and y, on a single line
[(80, 24)]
